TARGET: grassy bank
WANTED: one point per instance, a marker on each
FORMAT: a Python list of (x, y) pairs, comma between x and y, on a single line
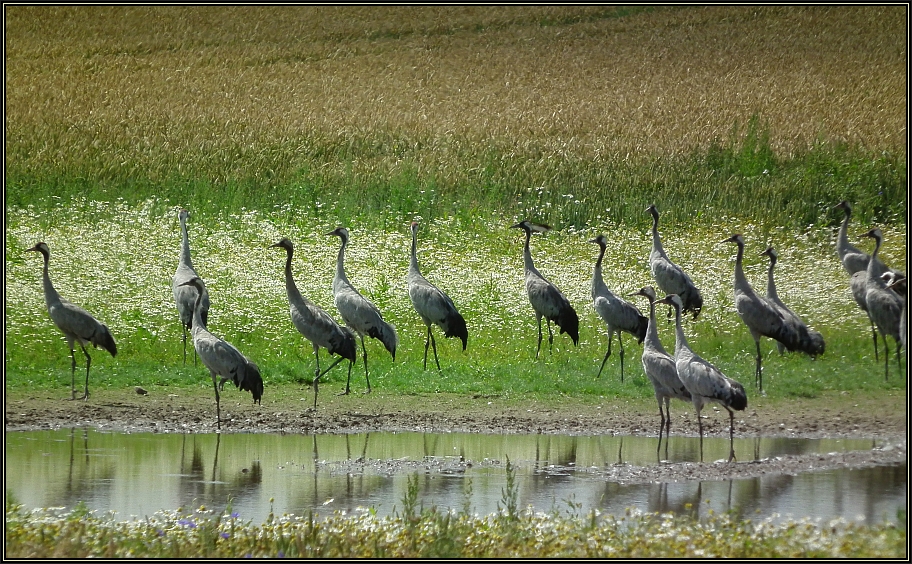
[(419, 532)]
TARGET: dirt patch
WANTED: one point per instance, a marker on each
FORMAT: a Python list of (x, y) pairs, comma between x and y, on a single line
[(881, 417)]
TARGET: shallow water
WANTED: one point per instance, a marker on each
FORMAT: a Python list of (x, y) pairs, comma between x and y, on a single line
[(135, 475)]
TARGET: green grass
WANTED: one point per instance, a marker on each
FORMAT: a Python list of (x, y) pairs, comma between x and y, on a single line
[(740, 176), (117, 259)]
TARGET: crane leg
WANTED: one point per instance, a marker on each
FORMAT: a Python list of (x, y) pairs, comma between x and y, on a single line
[(364, 350), (434, 345), (621, 344), (667, 416), (661, 426), (218, 409), (607, 354), (88, 363), (759, 377), (873, 334), (538, 350), (184, 340), (731, 434), (887, 356), (550, 338), (700, 426), (72, 372), (316, 384)]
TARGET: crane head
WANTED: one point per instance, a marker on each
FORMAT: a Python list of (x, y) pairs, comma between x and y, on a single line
[(196, 282), (843, 205), (653, 211), (40, 247), (875, 234), (673, 300), (647, 292), (736, 238), (600, 240), (340, 232), (183, 214), (530, 227), (771, 253), (284, 243)]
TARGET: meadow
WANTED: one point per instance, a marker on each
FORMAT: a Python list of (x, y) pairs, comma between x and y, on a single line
[(290, 121)]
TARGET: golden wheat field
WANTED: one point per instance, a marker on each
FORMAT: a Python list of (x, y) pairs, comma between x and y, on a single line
[(218, 90)]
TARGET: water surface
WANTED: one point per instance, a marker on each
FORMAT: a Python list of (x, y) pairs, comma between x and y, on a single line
[(136, 475)]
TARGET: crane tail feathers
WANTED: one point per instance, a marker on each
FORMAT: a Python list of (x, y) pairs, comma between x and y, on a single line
[(104, 340)]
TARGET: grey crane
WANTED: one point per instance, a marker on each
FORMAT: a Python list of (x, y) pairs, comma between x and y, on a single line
[(809, 341), (76, 324), (359, 313), (660, 366), (855, 262), (760, 315), (316, 325), (619, 315), (222, 358), (884, 305), (670, 277), (547, 300), (897, 283), (705, 382), (433, 305), (852, 258), (184, 295)]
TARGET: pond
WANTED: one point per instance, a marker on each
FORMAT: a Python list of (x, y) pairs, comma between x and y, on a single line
[(135, 475)]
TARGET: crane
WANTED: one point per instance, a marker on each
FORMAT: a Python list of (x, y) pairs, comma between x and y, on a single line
[(759, 314), (184, 295), (884, 305), (546, 299), (316, 325), (855, 262), (809, 341), (660, 366), (221, 357), (670, 277), (76, 324), (433, 305), (618, 314), (705, 382), (359, 313)]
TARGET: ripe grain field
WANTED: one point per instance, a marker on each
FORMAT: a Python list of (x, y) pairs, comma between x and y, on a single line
[(291, 120)]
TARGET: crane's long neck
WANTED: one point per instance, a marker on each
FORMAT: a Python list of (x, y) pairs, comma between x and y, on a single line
[(413, 262), (680, 339), (198, 323), (740, 279), (656, 239), (597, 281), (771, 281), (290, 288), (185, 244), (873, 271), (340, 262), (527, 253), (842, 239), (652, 332), (50, 294)]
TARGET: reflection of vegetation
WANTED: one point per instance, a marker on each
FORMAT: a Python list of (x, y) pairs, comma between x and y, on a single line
[(431, 533)]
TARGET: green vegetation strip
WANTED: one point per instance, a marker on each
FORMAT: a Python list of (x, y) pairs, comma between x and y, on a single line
[(430, 533)]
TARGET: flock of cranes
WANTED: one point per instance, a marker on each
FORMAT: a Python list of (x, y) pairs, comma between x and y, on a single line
[(685, 376)]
